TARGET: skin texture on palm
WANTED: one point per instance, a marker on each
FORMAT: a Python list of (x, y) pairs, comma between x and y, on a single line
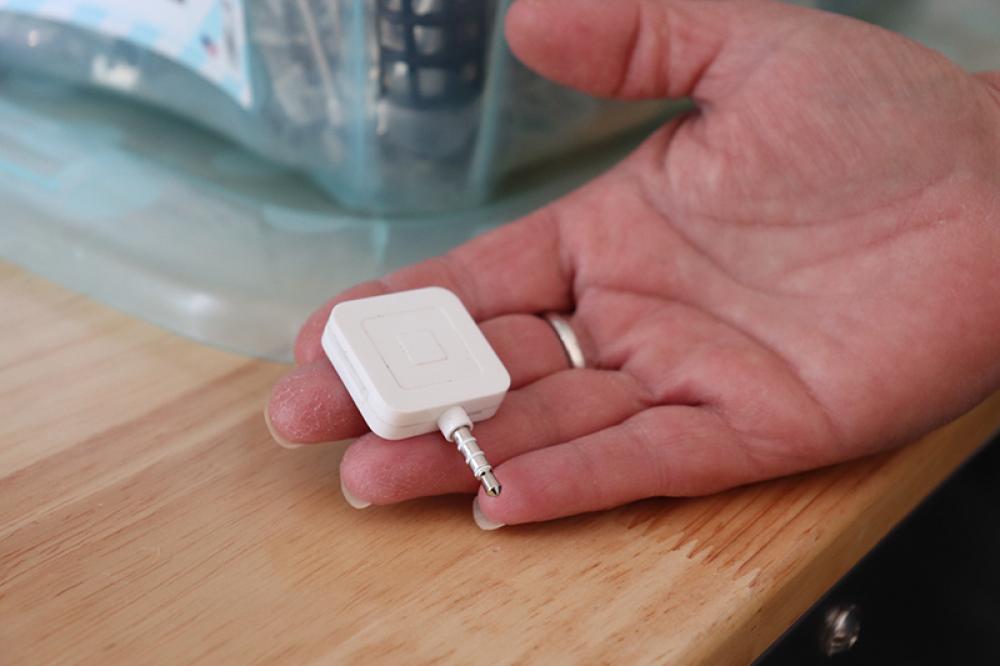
[(801, 272)]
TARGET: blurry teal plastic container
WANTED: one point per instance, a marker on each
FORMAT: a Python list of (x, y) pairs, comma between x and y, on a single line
[(389, 105)]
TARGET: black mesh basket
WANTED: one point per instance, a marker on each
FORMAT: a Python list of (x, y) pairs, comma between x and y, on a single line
[(431, 51)]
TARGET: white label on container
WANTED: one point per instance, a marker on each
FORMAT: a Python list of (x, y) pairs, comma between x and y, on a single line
[(209, 36)]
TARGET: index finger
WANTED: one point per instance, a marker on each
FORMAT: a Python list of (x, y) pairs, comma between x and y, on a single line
[(516, 268)]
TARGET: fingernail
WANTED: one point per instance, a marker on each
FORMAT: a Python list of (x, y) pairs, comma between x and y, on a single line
[(351, 499), (278, 439), (285, 444), (484, 523)]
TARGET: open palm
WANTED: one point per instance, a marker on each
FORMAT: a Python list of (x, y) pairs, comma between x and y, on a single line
[(802, 271)]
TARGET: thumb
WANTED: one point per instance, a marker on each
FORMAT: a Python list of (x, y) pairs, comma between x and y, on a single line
[(648, 48)]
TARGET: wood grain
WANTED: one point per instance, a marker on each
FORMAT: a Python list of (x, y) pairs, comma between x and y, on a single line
[(146, 517)]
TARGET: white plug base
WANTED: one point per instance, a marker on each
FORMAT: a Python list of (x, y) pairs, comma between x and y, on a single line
[(408, 357)]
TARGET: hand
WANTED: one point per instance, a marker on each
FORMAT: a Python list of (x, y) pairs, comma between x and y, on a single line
[(805, 270)]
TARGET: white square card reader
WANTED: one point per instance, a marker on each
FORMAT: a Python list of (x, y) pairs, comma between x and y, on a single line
[(414, 362)]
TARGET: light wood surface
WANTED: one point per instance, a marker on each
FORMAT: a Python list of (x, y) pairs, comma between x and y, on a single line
[(147, 518)]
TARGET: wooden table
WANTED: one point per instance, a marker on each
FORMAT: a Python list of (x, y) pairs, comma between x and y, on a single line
[(146, 517)]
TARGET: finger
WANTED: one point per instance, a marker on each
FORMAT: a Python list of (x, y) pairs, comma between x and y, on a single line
[(991, 79), (642, 326), (647, 48), (666, 345), (527, 346), (310, 405), (664, 451), (562, 406), (516, 268)]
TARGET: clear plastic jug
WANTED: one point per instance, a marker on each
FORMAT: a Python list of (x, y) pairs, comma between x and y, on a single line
[(390, 105)]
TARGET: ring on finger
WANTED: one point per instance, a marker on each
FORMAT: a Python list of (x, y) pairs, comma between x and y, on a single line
[(567, 337)]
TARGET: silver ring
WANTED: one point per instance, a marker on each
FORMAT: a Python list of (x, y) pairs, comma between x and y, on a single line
[(568, 339)]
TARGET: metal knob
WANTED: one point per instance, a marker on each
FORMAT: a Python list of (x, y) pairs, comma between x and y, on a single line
[(841, 628)]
